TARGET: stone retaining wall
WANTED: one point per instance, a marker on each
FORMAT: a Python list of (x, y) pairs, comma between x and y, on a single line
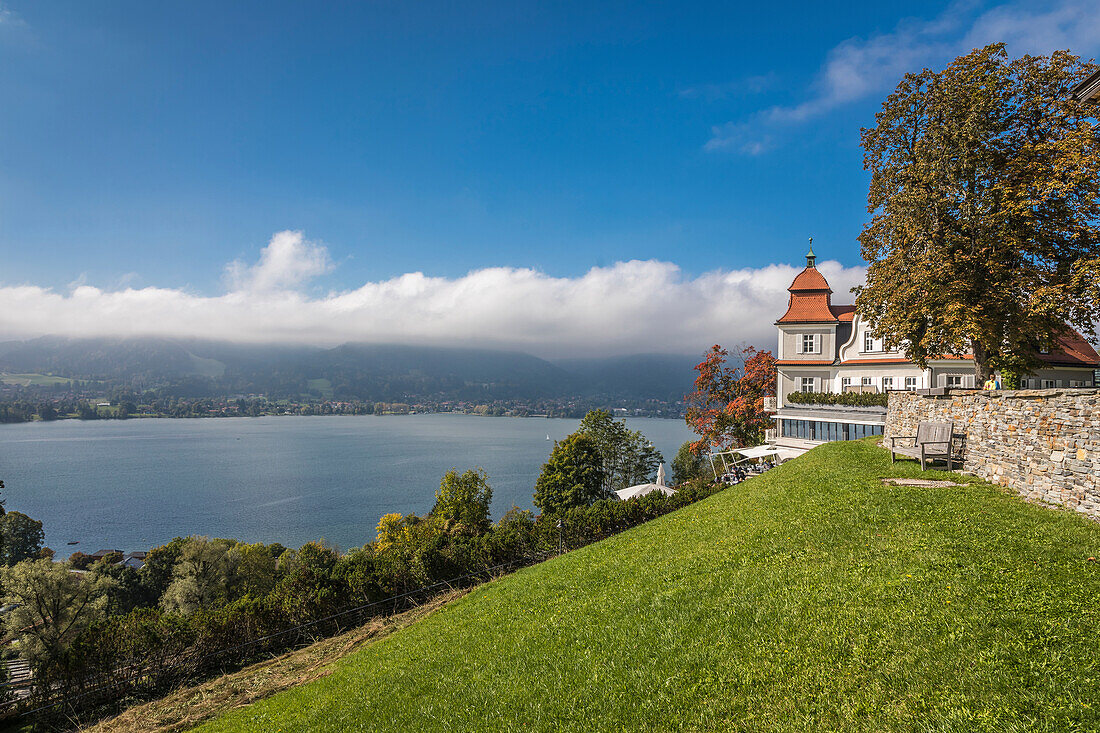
[(1045, 443)]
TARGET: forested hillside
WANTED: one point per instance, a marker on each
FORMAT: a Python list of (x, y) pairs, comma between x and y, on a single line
[(367, 372)]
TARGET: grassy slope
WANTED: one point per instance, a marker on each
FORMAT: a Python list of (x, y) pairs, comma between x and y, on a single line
[(813, 597), (185, 708)]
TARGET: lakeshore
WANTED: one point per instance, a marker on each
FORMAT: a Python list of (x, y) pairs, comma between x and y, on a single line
[(134, 484)]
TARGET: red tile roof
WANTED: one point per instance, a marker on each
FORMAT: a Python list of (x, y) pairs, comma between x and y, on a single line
[(843, 313), (810, 299), (856, 362), (902, 360), (809, 279), (812, 308), (1072, 349)]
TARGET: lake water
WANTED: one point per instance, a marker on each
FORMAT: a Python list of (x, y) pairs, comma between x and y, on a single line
[(135, 484)]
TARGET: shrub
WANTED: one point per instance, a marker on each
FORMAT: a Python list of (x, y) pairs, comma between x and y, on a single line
[(80, 561), (850, 399), (227, 603)]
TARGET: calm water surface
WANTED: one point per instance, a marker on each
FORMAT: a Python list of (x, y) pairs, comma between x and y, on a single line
[(135, 484)]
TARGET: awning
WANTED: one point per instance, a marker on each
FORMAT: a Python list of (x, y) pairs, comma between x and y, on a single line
[(758, 451)]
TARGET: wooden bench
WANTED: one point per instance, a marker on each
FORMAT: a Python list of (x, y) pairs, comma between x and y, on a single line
[(933, 441)]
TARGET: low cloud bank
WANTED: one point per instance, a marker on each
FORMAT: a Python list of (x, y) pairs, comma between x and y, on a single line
[(629, 307)]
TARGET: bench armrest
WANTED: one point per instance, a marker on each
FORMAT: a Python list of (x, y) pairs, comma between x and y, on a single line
[(895, 438), (936, 442)]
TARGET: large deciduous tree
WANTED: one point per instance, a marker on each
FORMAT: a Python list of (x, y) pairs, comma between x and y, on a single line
[(201, 576), (20, 538), (462, 502), (628, 457), (984, 193), (51, 606), (726, 409)]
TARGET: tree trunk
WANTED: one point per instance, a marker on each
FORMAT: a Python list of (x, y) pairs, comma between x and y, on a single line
[(982, 368)]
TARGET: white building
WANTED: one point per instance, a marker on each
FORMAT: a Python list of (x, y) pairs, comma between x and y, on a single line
[(827, 348)]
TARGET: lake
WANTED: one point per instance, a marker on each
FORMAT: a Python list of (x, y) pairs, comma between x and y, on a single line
[(135, 484)]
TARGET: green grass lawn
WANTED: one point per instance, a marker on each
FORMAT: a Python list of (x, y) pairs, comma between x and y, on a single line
[(811, 598), (323, 386), (37, 380)]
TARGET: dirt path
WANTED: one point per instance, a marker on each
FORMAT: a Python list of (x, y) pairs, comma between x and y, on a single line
[(187, 707)]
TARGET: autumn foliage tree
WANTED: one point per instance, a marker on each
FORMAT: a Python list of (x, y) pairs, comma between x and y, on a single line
[(726, 409), (984, 191)]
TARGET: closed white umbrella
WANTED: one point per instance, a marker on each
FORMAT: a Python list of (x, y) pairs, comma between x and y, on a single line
[(661, 475)]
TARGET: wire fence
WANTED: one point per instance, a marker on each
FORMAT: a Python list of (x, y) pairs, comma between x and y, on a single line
[(166, 665), (24, 697)]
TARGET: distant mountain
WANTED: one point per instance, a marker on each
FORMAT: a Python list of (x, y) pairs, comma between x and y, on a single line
[(369, 372), (106, 358), (658, 376), (194, 368), (392, 371)]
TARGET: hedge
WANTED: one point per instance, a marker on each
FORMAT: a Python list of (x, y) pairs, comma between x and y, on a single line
[(851, 399)]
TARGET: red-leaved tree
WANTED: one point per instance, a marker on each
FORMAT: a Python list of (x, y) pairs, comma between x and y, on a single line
[(726, 409)]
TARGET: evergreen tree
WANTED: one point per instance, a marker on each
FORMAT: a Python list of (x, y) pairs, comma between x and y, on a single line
[(573, 476)]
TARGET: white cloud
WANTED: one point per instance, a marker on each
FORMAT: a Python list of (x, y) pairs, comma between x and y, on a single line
[(287, 261), (740, 137), (860, 67), (10, 18), (754, 84), (628, 307)]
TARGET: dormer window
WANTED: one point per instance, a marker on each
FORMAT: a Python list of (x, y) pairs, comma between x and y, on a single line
[(868, 342), (811, 343)]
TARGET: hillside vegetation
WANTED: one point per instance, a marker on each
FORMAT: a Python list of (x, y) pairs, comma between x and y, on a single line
[(814, 597), (390, 372)]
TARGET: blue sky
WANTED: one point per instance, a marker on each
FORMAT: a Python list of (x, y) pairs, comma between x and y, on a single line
[(150, 146)]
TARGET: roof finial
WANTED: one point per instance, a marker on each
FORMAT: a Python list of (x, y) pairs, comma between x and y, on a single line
[(811, 258)]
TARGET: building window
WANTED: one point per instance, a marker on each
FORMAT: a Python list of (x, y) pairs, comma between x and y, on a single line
[(866, 381), (845, 383), (887, 383), (868, 342), (1048, 384), (1076, 383), (910, 383), (954, 380), (823, 431), (807, 384), (810, 343)]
